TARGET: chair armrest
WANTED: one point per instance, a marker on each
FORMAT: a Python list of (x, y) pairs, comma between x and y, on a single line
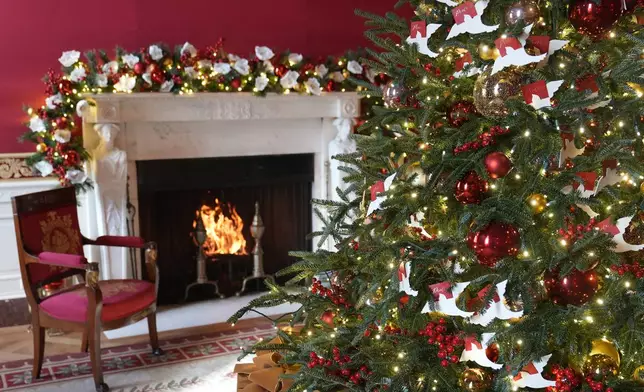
[(122, 241), (63, 260)]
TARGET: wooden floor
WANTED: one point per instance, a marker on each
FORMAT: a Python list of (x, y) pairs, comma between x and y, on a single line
[(16, 342)]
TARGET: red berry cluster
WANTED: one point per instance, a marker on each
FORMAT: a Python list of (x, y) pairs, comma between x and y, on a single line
[(447, 343), (634, 268), (389, 330), (573, 233), (597, 386), (336, 293), (356, 376), (566, 379), (430, 68), (355, 245), (485, 139)]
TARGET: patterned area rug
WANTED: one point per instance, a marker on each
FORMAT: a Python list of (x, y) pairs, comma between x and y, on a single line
[(196, 363)]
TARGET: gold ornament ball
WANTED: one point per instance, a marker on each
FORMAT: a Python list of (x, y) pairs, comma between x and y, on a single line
[(41, 147), (600, 366), (605, 347), (487, 52), (638, 374), (492, 91), (167, 62), (475, 380), (537, 203), (642, 187), (524, 10)]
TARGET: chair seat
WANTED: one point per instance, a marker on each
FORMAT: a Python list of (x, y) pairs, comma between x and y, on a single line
[(121, 299)]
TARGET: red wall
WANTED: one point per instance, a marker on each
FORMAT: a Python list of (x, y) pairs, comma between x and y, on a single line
[(33, 33)]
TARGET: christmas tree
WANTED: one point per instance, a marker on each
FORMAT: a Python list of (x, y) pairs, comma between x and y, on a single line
[(491, 237)]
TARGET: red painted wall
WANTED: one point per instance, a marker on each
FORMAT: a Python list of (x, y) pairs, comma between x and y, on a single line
[(33, 33)]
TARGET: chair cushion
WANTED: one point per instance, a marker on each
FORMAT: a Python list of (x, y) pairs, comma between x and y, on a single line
[(121, 299)]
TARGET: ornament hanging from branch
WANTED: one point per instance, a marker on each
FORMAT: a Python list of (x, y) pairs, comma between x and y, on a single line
[(497, 309), (467, 18), (461, 62), (476, 351), (530, 376), (445, 299), (512, 52), (539, 93), (420, 34), (376, 190)]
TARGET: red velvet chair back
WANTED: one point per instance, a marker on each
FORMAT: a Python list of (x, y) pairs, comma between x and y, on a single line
[(48, 222)]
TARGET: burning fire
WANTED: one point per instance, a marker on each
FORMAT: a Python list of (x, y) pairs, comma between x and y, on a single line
[(223, 229)]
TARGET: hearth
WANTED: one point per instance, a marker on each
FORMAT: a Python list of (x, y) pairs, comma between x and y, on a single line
[(217, 201)]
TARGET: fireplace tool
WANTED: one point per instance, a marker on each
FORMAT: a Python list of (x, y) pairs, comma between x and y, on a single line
[(199, 237), (257, 231)]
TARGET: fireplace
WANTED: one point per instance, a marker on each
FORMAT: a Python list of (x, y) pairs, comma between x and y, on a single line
[(222, 192), (128, 135)]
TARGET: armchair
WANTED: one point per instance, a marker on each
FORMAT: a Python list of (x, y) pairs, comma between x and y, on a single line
[(50, 248)]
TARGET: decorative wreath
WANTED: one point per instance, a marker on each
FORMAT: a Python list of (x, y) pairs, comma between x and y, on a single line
[(56, 126)]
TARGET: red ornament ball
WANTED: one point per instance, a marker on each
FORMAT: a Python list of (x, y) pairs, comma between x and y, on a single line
[(493, 242), (497, 164), (471, 189), (235, 83), (327, 318), (330, 86), (139, 68), (62, 122), (592, 19), (280, 70), (576, 288), (65, 86), (157, 76), (459, 113)]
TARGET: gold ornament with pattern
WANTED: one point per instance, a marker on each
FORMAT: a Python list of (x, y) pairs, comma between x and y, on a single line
[(475, 380), (487, 52), (600, 366), (491, 92), (41, 147), (605, 347), (638, 374)]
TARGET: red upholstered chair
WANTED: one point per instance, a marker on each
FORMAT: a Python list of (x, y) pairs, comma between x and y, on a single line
[(50, 248)]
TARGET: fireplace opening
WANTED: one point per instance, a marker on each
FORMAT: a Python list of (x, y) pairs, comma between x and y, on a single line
[(220, 199)]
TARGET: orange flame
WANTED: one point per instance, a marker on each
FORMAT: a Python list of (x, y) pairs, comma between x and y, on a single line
[(223, 230)]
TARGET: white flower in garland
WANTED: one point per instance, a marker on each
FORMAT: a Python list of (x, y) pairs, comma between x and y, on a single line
[(67, 59), (191, 72), (354, 67), (77, 74), (101, 80), (111, 67), (337, 77), (54, 101), (130, 60), (76, 176), (241, 66), (261, 82), (82, 107), (233, 57), (44, 168), (294, 58), (264, 53), (188, 48), (321, 70), (371, 76), (289, 80), (36, 124), (147, 77), (221, 68), (166, 86), (126, 83), (155, 52), (313, 86), (62, 135)]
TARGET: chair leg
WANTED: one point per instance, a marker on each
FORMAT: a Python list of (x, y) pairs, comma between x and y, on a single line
[(39, 348), (94, 340), (154, 337), (85, 342)]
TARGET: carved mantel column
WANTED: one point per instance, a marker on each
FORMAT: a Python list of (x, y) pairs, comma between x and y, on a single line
[(105, 211), (343, 143)]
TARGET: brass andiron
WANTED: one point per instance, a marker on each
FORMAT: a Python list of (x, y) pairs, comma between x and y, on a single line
[(202, 277), (257, 231)]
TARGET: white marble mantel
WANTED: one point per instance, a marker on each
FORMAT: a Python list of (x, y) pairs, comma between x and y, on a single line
[(120, 129)]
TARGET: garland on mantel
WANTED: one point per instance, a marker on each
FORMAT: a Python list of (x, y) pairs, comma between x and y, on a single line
[(56, 126)]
